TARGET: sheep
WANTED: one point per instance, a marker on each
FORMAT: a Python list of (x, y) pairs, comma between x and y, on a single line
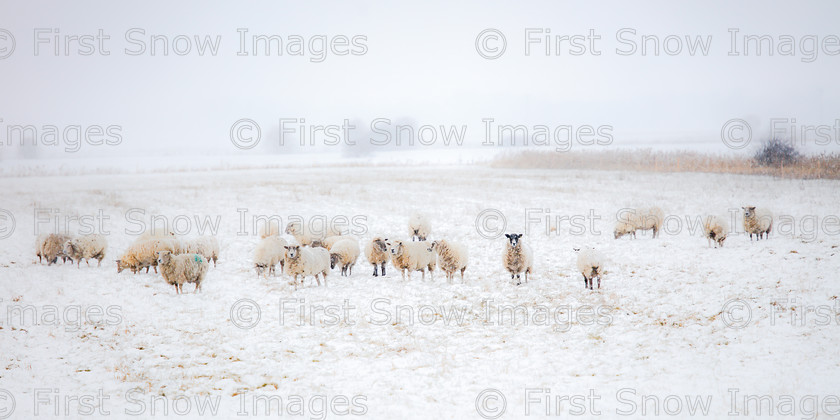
[(51, 246), (344, 253), (376, 252), (206, 246), (518, 257), (270, 251), (419, 227), (329, 241), (270, 228), (306, 261), (305, 236), (590, 264), (184, 268), (86, 247), (631, 220), (143, 254), (715, 229), (757, 222), (413, 256), (452, 257)]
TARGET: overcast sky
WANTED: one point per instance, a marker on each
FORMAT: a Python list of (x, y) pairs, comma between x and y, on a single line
[(418, 62)]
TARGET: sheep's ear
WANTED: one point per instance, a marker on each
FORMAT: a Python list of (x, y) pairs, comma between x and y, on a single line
[(287, 247), (576, 249), (507, 235)]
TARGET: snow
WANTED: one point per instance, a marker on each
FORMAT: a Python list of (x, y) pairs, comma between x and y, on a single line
[(387, 348)]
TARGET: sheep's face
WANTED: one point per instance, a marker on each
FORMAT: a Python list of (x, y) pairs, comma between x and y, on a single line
[(749, 211), (260, 268), (163, 257), (333, 260), (397, 248), (513, 238), (720, 240), (68, 247), (294, 228), (381, 245), (293, 251)]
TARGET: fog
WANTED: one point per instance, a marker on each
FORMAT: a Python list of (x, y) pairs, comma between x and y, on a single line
[(153, 78)]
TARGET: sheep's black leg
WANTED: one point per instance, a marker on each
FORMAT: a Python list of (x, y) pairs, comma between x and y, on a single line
[(383, 269), (375, 270), (599, 281)]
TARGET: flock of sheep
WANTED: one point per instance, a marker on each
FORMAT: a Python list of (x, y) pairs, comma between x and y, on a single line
[(314, 254)]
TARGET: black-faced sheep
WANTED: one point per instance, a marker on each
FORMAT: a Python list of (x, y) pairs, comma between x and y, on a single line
[(180, 269), (518, 257), (757, 222), (344, 254), (305, 261), (376, 252), (85, 248), (590, 264), (419, 227), (452, 257), (413, 256)]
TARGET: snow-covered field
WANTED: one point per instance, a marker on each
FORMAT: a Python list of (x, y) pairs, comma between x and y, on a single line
[(674, 319)]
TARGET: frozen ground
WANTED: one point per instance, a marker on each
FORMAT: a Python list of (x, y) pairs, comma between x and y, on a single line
[(655, 334)]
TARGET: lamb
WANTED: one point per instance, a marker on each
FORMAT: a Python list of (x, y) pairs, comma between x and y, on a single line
[(413, 256), (306, 261), (452, 257), (86, 247), (344, 253), (51, 246), (143, 254), (715, 229), (518, 257), (270, 251), (184, 268), (757, 222), (376, 252), (206, 246), (629, 221), (305, 236), (419, 227), (590, 264)]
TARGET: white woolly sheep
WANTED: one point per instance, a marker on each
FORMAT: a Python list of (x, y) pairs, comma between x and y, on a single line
[(413, 256), (184, 268), (51, 246), (452, 257), (86, 247), (144, 254), (715, 229), (305, 236), (631, 220), (344, 253), (270, 228), (305, 261), (329, 241), (270, 251), (206, 246), (518, 257), (590, 264), (757, 222), (376, 252), (419, 227)]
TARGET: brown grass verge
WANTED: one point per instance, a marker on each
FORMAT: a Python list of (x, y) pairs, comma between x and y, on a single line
[(823, 166)]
